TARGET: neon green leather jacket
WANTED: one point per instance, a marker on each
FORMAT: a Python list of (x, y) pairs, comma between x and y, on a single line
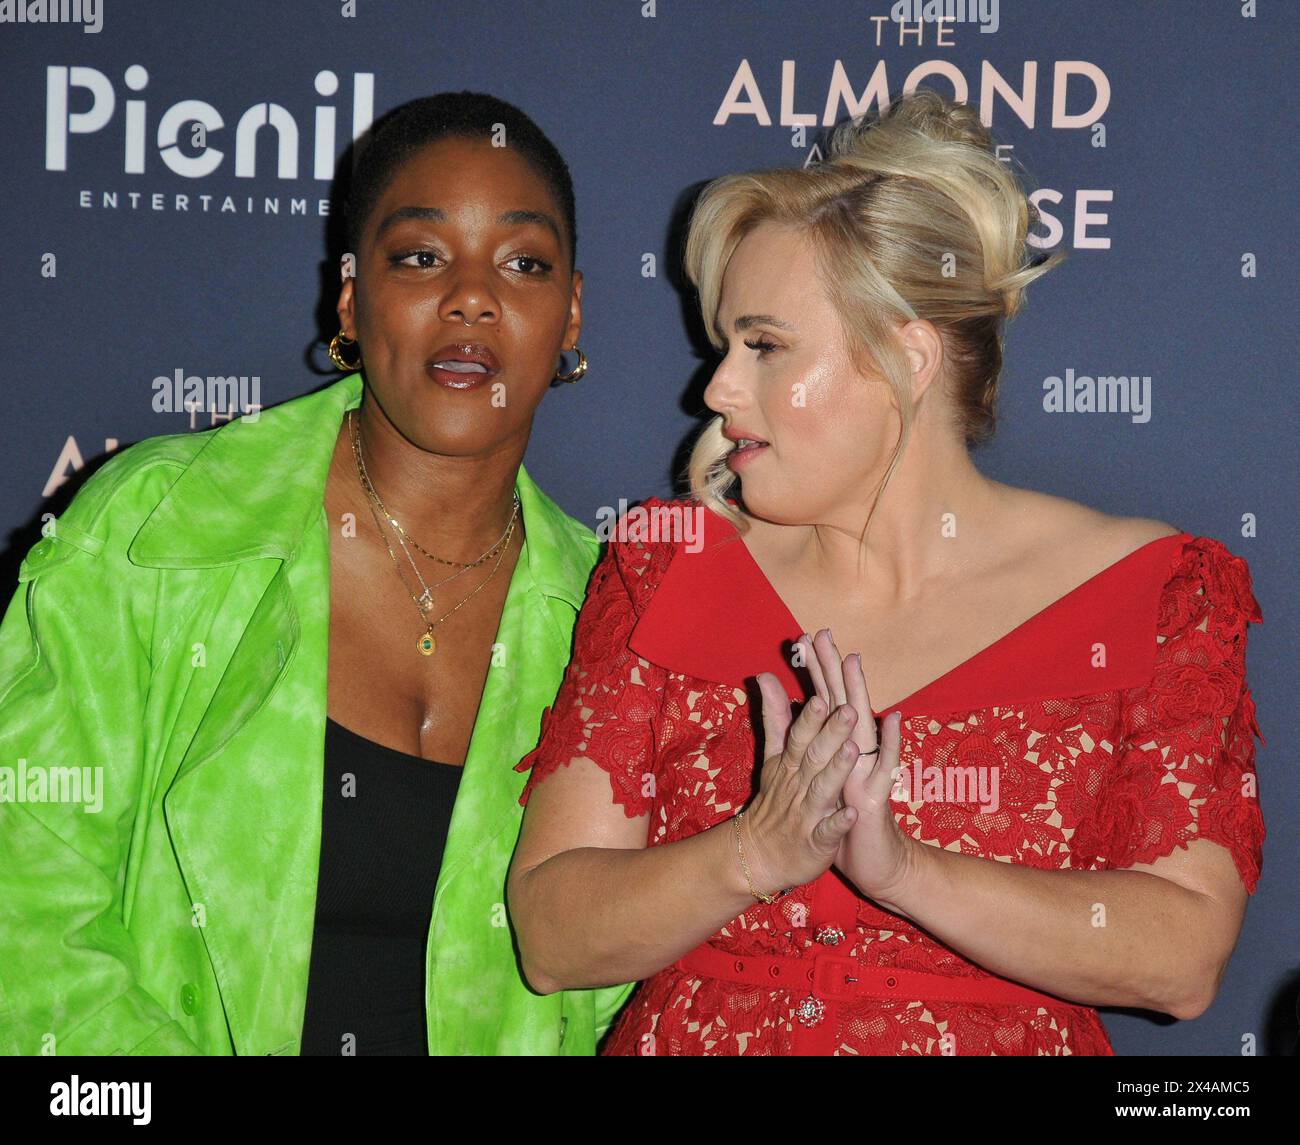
[(171, 630)]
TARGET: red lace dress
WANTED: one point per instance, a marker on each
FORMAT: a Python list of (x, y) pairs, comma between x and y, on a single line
[(1118, 719)]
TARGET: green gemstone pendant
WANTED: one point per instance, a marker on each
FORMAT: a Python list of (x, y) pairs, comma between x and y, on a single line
[(427, 644)]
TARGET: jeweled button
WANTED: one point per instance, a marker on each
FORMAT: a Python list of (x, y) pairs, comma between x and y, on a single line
[(810, 1011), (829, 935)]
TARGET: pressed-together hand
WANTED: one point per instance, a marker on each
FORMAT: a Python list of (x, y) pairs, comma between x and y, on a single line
[(795, 825), (874, 854)]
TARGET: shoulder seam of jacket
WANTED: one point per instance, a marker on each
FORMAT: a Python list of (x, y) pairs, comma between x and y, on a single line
[(103, 486)]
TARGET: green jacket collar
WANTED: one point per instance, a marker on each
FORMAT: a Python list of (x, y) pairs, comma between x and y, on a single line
[(273, 468)]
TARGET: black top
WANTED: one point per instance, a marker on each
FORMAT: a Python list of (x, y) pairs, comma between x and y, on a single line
[(383, 828)]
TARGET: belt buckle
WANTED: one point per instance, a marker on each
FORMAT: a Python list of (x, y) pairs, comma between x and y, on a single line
[(833, 976)]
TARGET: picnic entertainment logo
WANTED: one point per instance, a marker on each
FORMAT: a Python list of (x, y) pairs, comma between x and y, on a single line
[(190, 139)]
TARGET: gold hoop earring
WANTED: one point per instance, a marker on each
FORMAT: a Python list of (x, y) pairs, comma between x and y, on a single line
[(336, 354), (577, 371)]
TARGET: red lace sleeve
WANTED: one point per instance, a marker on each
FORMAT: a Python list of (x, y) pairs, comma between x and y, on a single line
[(1186, 764), (608, 702)]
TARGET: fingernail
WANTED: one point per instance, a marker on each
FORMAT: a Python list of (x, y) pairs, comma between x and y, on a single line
[(846, 715)]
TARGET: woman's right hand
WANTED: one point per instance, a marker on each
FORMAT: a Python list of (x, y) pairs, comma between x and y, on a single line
[(793, 827)]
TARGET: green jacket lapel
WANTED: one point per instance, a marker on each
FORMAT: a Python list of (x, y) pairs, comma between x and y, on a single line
[(244, 807)]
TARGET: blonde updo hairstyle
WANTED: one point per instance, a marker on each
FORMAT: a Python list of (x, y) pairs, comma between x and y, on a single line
[(911, 216)]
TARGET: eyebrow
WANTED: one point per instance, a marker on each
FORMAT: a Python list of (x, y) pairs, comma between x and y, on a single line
[(438, 215), (745, 321)]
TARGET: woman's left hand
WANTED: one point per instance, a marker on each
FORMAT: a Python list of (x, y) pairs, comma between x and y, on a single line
[(875, 855)]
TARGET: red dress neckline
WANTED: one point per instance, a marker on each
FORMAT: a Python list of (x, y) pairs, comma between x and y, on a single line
[(692, 625)]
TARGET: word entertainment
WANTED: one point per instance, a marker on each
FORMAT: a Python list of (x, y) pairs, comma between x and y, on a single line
[(179, 394), (1083, 394)]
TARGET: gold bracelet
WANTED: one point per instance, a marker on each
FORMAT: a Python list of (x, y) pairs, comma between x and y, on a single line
[(744, 866)]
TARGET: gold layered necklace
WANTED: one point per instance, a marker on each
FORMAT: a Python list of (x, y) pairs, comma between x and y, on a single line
[(424, 602)]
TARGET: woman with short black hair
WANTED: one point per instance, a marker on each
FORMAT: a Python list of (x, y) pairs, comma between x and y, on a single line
[(323, 637)]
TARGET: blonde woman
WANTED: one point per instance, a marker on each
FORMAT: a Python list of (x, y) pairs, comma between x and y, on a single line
[(1058, 809)]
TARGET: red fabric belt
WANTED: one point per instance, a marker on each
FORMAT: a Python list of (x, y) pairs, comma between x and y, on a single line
[(832, 977)]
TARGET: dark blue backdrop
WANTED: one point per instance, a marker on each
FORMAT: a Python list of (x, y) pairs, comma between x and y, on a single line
[(1169, 188)]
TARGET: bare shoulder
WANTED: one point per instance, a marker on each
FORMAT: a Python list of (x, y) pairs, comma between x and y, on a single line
[(1123, 535), (1074, 533), (1139, 531)]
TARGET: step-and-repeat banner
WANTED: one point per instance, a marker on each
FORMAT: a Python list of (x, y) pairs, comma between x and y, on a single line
[(1157, 138)]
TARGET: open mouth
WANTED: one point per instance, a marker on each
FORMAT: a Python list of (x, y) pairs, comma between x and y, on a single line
[(462, 365), (460, 373), (747, 448), (457, 367)]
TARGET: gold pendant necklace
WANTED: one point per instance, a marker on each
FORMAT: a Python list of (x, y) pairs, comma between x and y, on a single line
[(426, 645)]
